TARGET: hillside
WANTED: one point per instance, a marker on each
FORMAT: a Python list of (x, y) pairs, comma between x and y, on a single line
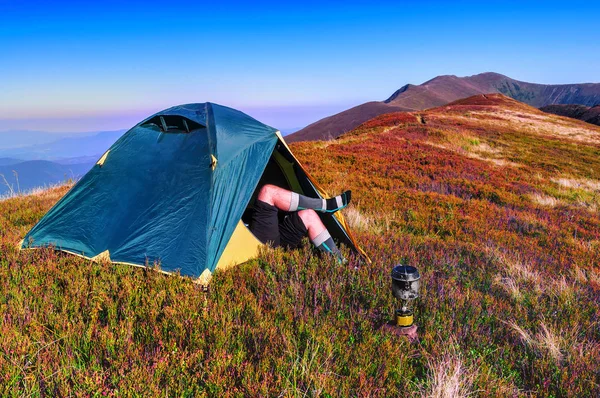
[(332, 126), (496, 203), (581, 112), (444, 89)]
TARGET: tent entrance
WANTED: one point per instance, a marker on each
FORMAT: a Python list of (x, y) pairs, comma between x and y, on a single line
[(284, 171), (280, 172)]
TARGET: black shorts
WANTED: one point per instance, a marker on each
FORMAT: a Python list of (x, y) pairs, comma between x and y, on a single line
[(267, 226)]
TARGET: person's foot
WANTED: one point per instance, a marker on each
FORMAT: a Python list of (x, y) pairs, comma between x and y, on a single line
[(339, 202)]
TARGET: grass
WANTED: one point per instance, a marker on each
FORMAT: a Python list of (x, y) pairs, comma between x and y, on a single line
[(448, 378), (509, 298)]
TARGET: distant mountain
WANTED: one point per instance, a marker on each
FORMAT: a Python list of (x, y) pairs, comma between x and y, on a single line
[(49, 163), (21, 138), (79, 159), (73, 147), (333, 126), (36, 173), (581, 112), (9, 161), (285, 132), (445, 89)]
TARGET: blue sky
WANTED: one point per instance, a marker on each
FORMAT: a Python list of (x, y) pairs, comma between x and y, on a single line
[(72, 66)]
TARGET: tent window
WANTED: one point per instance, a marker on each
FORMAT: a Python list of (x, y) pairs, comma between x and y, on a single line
[(173, 124)]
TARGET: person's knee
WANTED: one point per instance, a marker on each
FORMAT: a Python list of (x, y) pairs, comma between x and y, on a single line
[(267, 192), (309, 217), (312, 222)]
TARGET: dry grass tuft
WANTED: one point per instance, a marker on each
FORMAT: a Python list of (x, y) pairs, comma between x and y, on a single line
[(578, 183), (524, 335), (510, 285), (495, 161), (563, 289), (581, 192), (540, 124), (519, 271), (592, 207), (483, 151), (357, 220), (486, 148), (544, 200), (551, 341), (518, 277), (546, 341), (475, 149), (449, 377), (593, 275), (579, 274)]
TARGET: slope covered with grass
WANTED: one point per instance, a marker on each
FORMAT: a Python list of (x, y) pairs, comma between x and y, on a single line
[(495, 202)]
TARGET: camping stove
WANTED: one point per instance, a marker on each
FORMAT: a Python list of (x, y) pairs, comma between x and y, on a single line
[(405, 288)]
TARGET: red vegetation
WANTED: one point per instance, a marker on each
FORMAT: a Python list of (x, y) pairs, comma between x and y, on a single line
[(491, 100), (482, 205), (496, 206)]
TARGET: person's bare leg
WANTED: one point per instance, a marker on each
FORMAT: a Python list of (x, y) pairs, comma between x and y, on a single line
[(275, 196), (318, 234), (291, 201), (312, 222)]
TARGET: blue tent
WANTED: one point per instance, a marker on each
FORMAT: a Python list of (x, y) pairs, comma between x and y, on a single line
[(176, 190)]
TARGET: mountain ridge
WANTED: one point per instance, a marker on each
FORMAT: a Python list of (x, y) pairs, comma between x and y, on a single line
[(580, 112), (444, 89)]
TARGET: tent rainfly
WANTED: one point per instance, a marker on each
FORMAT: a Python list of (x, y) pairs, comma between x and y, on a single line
[(178, 189)]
